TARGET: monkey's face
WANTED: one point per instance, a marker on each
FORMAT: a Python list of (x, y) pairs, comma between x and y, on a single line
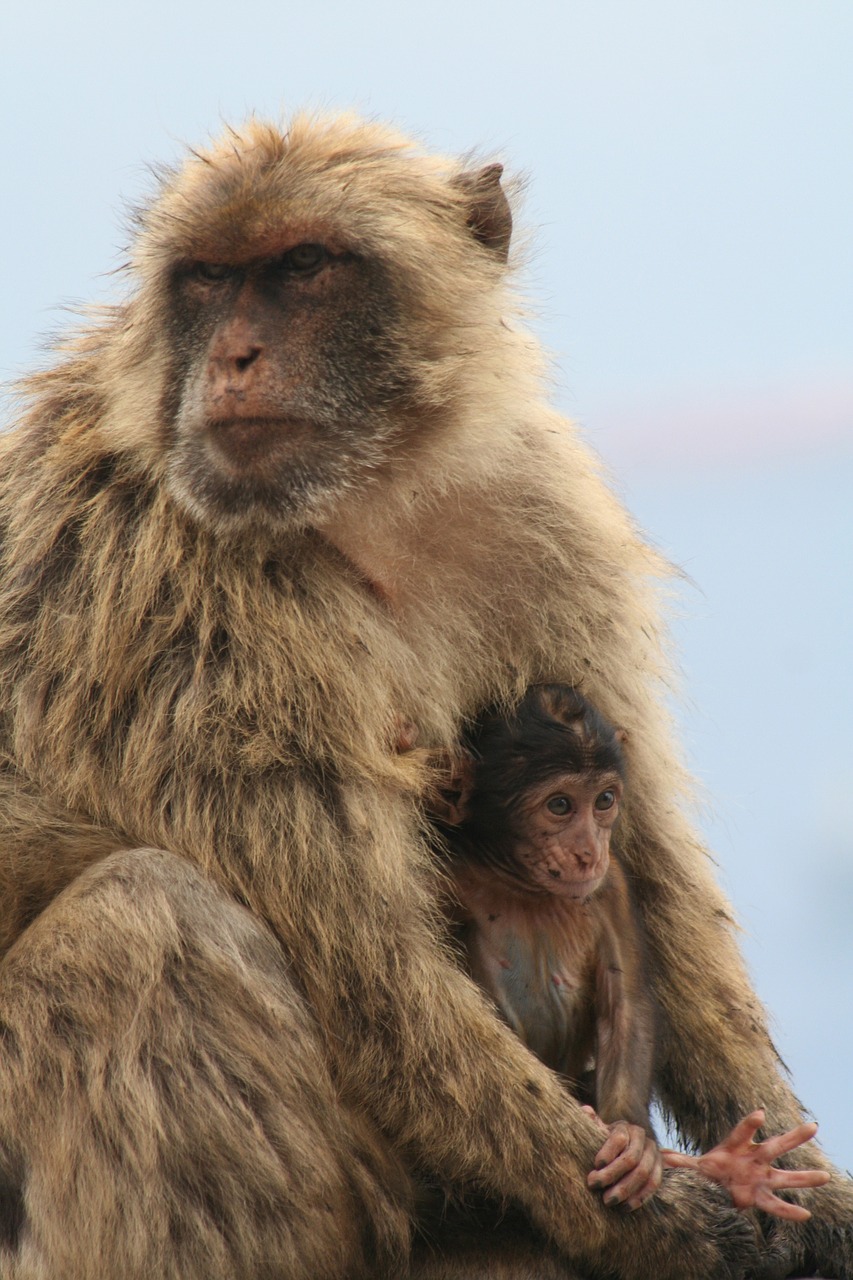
[(285, 378), (317, 306), (562, 832)]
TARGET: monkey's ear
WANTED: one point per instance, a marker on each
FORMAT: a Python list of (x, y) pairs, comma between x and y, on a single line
[(489, 215), (621, 736), (449, 798)]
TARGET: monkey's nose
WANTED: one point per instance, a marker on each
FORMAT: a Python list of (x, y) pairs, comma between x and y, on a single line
[(242, 362), (235, 347), (227, 367)]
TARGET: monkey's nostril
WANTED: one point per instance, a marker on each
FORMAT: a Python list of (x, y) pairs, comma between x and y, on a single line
[(554, 873), (243, 362)]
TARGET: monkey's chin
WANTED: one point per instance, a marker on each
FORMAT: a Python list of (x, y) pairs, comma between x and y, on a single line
[(575, 890), (248, 476)]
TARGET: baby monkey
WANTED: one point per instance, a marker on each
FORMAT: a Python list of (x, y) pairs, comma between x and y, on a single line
[(543, 913)]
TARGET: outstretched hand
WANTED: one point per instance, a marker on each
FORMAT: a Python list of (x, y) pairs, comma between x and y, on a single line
[(745, 1167)]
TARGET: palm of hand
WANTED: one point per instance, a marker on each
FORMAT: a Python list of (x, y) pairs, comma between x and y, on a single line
[(745, 1167)]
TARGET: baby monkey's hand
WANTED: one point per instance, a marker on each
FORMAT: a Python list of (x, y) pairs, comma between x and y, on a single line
[(629, 1166), (745, 1168)]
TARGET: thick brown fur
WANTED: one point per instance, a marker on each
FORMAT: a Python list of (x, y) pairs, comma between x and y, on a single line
[(214, 1056)]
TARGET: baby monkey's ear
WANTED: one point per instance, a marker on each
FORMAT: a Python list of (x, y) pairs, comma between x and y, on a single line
[(453, 782)]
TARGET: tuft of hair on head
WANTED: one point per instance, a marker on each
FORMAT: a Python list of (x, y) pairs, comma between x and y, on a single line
[(553, 730)]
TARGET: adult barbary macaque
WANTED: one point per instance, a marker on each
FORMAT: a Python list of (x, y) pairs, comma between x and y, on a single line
[(250, 519), (544, 919)]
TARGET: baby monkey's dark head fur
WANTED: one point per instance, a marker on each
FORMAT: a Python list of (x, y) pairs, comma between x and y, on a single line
[(552, 732)]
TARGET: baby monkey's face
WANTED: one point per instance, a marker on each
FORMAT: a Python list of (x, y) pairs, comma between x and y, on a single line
[(562, 832)]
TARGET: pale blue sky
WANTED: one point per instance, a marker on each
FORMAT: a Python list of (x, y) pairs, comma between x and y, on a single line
[(690, 257)]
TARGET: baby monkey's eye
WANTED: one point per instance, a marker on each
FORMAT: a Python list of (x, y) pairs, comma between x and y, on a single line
[(606, 800), (560, 805)]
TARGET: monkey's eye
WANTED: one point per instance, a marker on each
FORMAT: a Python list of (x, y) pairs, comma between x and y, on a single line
[(606, 800), (561, 805), (210, 272), (304, 258)]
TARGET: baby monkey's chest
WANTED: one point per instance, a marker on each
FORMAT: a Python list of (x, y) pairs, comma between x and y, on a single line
[(541, 973)]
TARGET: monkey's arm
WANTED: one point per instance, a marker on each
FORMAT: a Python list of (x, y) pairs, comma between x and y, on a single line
[(628, 1168), (624, 1010)]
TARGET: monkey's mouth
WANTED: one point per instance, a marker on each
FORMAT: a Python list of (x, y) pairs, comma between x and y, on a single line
[(580, 892), (245, 444), (575, 890)]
